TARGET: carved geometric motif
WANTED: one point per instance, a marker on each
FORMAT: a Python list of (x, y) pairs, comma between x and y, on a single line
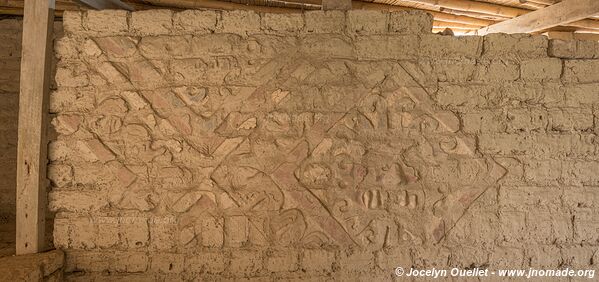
[(295, 151)]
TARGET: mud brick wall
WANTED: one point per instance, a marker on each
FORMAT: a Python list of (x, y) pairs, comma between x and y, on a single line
[(205, 145), (10, 64)]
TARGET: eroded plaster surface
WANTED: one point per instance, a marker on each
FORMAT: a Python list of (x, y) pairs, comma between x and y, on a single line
[(204, 145)]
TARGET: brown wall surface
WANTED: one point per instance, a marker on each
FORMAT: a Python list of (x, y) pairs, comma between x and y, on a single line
[(208, 145)]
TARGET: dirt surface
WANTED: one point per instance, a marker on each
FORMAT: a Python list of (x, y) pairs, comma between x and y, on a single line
[(45, 266)]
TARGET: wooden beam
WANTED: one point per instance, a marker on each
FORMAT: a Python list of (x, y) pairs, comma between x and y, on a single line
[(359, 5), (561, 35), (356, 5), (473, 6), (586, 23), (36, 58), (587, 36), (533, 5), (543, 2), (571, 35), (278, 3), (442, 24), (562, 13), (107, 4), (336, 4), (220, 5), (474, 14)]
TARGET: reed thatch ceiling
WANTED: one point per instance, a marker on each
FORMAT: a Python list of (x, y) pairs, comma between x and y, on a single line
[(461, 16)]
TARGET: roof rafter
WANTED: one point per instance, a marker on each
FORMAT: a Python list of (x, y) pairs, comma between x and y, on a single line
[(562, 13), (106, 4)]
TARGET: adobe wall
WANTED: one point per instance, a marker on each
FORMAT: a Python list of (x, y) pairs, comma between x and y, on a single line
[(209, 145)]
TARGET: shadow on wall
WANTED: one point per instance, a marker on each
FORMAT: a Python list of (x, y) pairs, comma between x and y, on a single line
[(10, 59)]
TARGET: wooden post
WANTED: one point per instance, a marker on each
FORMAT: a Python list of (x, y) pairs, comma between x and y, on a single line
[(336, 4), (36, 58)]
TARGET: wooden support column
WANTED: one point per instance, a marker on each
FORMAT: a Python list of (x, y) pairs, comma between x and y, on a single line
[(336, 4), (36, 58)]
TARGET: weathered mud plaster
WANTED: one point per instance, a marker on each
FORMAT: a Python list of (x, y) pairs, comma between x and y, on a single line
[(207, 145)]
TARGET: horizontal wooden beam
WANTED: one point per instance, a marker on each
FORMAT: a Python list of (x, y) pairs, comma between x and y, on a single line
[(561, 35), (219, 5), (442, 24), (587, 36), (543, 2), (474, 6), (474, 14), (571, 35), (276, 3), (586, 23), (562, 13), (360, 5), (107, 4), (533, 5)]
